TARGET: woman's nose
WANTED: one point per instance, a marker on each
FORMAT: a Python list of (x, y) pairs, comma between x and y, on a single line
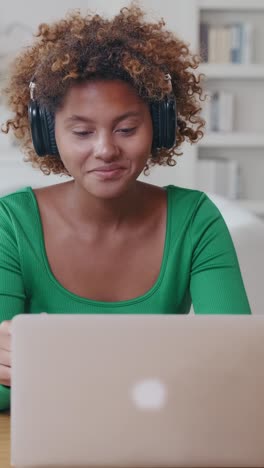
[(106, 148)]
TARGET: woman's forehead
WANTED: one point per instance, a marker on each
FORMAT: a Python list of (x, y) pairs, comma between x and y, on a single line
[(102, 90), (113, 97)]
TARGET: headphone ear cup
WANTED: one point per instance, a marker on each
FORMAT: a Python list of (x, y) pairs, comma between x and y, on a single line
[(155, 115), (42, 130), (163, 115), (35, 127), (48, 129), (170, 129)]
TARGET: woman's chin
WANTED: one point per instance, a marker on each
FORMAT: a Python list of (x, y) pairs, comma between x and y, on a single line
[(107, 191)]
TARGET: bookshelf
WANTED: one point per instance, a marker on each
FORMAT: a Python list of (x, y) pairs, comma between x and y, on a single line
[(231, 5), (244, 143), (232, 71), (234, 139)]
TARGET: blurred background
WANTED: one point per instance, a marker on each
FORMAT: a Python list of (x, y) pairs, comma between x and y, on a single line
[(228, 163)]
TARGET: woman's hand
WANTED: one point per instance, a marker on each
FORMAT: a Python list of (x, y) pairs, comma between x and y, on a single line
[(5, 353)]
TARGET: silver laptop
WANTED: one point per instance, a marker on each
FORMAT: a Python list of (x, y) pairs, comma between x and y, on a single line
[(137, 391)]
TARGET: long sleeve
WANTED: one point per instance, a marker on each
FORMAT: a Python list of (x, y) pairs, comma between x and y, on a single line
[(12, 294), (216, 283)]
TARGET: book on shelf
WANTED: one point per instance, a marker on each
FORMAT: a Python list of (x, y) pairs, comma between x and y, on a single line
[(230, 43), (218, 112), (220, 176)]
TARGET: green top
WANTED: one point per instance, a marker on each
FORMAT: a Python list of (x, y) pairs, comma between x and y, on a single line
[(199, 265)]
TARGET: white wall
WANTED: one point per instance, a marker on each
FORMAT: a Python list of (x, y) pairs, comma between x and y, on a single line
[(180, 17)]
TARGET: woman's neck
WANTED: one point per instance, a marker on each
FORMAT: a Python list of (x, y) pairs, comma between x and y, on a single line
[(106, 213)]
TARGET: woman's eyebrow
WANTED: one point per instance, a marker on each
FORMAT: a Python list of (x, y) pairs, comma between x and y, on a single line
[(75, 118), (126, 115), (81, 118)]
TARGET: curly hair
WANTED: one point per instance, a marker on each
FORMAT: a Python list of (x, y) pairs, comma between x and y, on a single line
[(81, 47)]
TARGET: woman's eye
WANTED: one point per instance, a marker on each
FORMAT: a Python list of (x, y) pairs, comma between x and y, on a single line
[(126, 130), (82, 133)]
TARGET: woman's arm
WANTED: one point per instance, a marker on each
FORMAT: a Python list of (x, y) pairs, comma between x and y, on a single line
[(216, 283), (12, 294)]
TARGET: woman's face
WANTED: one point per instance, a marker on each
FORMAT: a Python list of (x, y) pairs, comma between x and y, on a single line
[(104, 135)]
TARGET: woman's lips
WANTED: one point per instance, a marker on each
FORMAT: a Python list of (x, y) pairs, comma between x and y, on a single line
[(108, 174)]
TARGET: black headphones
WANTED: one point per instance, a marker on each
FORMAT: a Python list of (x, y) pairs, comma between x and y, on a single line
[(42, 124)]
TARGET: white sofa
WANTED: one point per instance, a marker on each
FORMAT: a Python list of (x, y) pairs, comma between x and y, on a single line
[(246, 230)]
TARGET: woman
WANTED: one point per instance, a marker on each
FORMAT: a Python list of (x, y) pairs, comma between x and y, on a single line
[(102, 104)]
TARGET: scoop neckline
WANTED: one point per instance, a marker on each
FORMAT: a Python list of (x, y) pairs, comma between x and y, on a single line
[(107, 304)]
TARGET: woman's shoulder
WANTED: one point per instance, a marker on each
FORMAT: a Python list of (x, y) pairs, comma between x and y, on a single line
[(25, 195), (24, 203), (182, 199), (182, 196), (17, 211), (183, 191), (14, 200), (190, 204), (16, 214), (11, 194)]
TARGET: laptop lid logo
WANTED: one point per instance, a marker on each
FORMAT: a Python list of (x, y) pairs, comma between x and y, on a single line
[(149, 394)]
